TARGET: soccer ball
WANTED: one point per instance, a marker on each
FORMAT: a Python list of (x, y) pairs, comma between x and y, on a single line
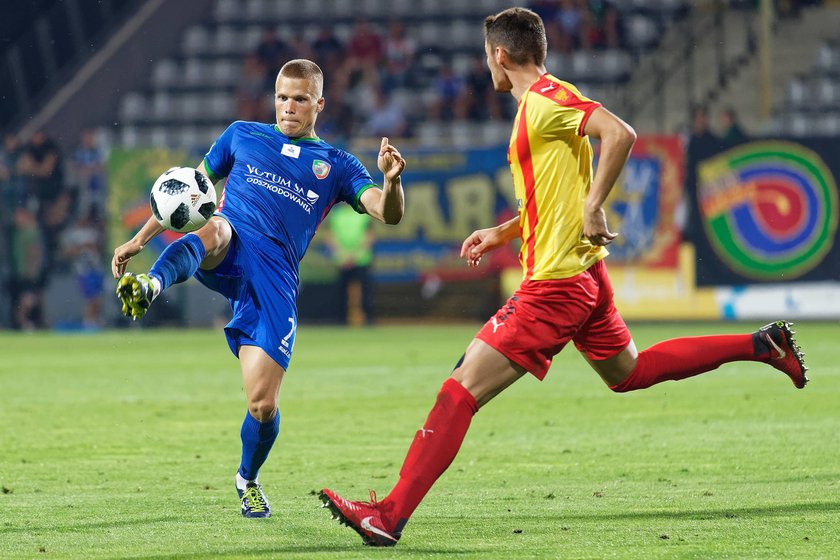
[(182, 199)]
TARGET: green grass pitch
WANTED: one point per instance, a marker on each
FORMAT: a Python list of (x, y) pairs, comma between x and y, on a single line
[(124, 445)]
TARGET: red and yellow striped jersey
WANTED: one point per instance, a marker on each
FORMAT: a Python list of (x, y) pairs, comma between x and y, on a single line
[(551, 162)]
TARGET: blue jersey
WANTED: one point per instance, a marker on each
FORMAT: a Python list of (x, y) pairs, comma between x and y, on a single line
[(280, 187), (277, 191)]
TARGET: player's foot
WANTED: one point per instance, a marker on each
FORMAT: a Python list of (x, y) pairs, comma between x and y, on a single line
[(136, 292), (254, 502), (784, 354), (363, 517)]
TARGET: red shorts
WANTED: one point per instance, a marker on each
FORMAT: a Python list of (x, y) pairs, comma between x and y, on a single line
[(542, 316)]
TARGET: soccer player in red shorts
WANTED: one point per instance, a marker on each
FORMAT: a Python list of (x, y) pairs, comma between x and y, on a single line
[(566, 293)]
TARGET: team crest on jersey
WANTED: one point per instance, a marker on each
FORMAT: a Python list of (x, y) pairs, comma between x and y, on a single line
[(321, 168), (561, 95)]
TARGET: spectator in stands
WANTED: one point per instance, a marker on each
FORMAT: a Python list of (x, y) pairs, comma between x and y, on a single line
[(83, 246), (327, 50), (450, 95), (731, 131), (41, 167), (272, 52), (591, 33), (387, 119), (253, 103), (337, 120), (28, 271), (482, 101), (701, 139), (365, 48), (361, 93), (546, 9), (400, 51), (299, 47), (570, 16), (12, 184), (88, 165), (611, 27)]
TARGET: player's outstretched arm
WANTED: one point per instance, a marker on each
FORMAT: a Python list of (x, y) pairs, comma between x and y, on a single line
[(617, 139), (388, 204), (485, 240), (124, 252)]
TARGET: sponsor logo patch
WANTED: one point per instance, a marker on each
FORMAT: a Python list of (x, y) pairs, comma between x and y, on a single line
[(290, 150)]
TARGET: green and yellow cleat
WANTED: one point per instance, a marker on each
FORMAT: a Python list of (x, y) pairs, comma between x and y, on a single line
[(136, 292)]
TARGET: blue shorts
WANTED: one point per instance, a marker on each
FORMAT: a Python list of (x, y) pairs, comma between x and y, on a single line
[(261, 290)]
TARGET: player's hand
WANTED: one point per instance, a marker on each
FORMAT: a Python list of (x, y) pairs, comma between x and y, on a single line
[(480, 242), (595, 227), (390, 162), (122, 255)]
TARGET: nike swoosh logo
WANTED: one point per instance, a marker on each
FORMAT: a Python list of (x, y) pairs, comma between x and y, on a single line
[(781, 352), (368, 527)]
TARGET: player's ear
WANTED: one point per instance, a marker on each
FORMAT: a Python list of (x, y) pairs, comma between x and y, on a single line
[(500, 56), (321, 102)]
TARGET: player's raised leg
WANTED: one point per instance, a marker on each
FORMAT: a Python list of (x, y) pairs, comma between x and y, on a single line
[(179, 261), (481, 374), (680, 358), (261, 376)]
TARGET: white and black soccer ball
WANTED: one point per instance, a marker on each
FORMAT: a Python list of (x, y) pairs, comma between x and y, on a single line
[(182, 199)]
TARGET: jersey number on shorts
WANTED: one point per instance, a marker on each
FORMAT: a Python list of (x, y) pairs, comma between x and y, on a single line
[(285, 341)]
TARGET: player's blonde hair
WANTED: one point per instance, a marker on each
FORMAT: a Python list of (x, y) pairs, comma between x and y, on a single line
[(303, 69), (520, 32)]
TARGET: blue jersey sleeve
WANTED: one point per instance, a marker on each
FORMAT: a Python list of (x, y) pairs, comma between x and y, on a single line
[(219, 159), (356, 181)]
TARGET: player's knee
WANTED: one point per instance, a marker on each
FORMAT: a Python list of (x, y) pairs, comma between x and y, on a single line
[(262, 410), (215, 236)]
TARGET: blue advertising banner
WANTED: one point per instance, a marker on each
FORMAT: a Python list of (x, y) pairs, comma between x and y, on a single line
[(450, 194)]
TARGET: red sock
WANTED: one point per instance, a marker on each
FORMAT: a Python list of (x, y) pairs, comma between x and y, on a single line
[(679, 358), (432, 451)]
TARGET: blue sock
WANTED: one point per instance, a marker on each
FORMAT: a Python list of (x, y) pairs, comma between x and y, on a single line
[(178, 261), (257, 440)]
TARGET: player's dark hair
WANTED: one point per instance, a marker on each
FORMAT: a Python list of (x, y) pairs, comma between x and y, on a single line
[(520, 32), (303, 69)]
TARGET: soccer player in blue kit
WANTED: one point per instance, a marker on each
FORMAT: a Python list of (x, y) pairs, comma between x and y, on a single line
[(281, 182)]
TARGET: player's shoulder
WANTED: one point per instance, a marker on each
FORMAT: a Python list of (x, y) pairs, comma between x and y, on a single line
[(250, 126), (339, 155), (557, 91)]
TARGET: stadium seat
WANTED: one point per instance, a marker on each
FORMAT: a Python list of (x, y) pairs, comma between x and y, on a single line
[(828, 58), (796, 93), (800, 125), (222, 106), (345, 9), (226, 10), (196, 40), (255, 10), (165, 73), (227, 40), (189, 107), (163, 107), (641, 31), (614, 65), (250, 37), (160, 136), (194, 73), (224, 72), (129, 137), (132, 107)]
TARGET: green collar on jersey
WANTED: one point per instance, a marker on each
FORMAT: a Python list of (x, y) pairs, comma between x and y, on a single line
[(293, 140)]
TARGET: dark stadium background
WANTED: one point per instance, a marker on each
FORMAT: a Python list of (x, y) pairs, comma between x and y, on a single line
[(169, 76)]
